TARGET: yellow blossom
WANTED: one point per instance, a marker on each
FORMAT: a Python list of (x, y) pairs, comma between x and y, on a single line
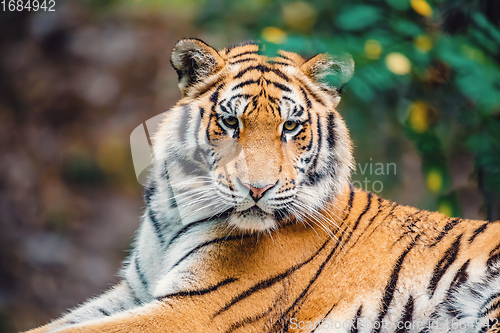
[(373, 49), (422, 7), (398, 63)]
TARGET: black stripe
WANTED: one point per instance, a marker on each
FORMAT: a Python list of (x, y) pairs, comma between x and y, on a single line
[(184, 230), (308, 101), (252, 319), (320, 137), (274, 62), (492, 308), (324, 317), (241, 44), (354, 325), (494, 257), (478, 231), (281, 55), (136, 300), (379, 210), (409, 228), (142, 277), (149, 192), (199, 153), (349, 203), (156, 225), (243, 60), (263, 69), (295, 137), (460, 278), (313, 178), (339, 89), (406, 317), (279, 86), (331, 131), (298, 111), (486, 328), (209, 126), (311, 93), (210, 86), (198, 292), (391, 285), (332, 162), (166, 175), (495, 249), (254, 103), (213, 241), (369, 198), (214, 98), (450, 225), (187, 228), (269, 282), (495, 296), (104, 312), (450, 308), (245, 83), (281, 214), (444, 263), (239, 96), (243, 53), (249, 82)]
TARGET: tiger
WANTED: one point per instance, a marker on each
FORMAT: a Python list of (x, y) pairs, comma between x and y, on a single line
[(251, 222)]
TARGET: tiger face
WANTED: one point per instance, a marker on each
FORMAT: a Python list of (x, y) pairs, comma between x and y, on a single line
[(258, 139)]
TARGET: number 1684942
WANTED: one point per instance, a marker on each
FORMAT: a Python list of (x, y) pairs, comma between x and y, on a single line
[(28, 5)]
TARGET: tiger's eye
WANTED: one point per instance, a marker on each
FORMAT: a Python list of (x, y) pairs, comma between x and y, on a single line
[(231, 122), (290, 125)]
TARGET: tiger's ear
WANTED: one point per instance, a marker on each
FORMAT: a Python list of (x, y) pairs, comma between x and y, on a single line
[(330, 72), (194, 60)]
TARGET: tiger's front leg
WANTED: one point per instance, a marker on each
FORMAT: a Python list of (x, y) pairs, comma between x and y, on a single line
[(118, 299)]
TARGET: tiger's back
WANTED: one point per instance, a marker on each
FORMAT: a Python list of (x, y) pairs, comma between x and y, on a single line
[(251, 224)]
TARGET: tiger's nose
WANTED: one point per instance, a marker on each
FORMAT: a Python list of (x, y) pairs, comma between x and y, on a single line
[(258, 192)]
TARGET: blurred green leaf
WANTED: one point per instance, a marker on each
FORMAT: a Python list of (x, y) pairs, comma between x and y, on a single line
[(406, 27), (357, 17), (399, 4)]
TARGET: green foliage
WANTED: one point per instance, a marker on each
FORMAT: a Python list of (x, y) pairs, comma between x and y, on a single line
[(358, 17)]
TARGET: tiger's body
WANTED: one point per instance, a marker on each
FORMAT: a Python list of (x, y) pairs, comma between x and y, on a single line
[(251, 224)]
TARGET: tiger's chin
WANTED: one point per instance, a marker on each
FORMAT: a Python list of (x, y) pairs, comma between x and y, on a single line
[(252, 219)]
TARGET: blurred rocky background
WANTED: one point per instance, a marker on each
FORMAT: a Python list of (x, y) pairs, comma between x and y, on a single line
[(423, 109)]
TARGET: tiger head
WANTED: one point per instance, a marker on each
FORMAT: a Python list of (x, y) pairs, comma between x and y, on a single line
[(254, 139)]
